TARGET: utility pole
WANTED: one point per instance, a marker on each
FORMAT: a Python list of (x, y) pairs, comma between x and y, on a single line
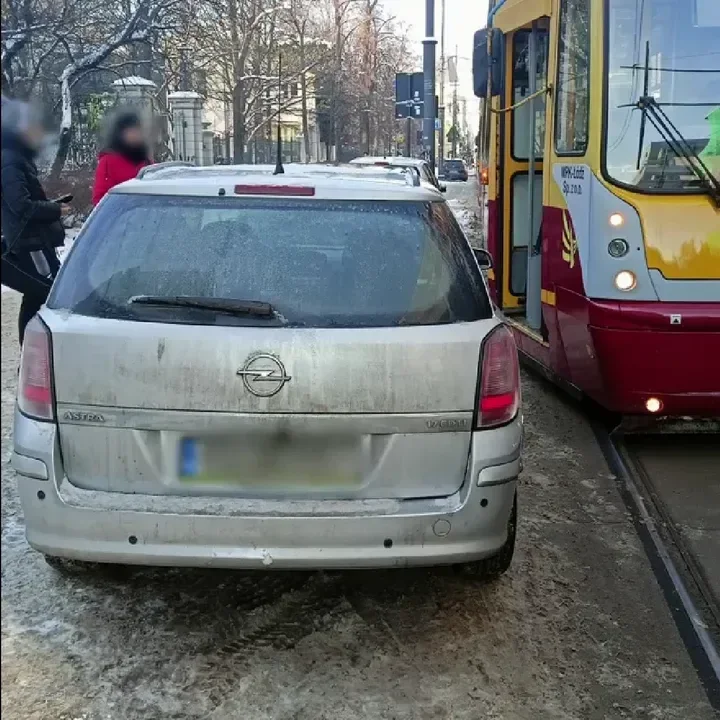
[(455, 108), (279, 170), (441, 109), (429, 44)]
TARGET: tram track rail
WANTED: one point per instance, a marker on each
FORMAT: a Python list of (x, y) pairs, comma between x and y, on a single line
[(667, 525), (692, 604)]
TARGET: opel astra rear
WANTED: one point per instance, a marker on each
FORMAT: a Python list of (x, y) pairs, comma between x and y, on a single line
[(243, 370)]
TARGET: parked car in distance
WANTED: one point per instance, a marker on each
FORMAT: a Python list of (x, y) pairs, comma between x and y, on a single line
[(455, 170), (248, 370), (422, 167)]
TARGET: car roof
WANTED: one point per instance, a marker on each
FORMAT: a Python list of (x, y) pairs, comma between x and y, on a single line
[(391, 160), (336, 182)]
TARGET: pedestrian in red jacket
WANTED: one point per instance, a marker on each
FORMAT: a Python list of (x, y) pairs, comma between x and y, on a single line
[(125, 155)]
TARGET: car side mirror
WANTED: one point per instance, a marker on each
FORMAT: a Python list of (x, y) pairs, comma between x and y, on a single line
[(484, 258), (443, 188)]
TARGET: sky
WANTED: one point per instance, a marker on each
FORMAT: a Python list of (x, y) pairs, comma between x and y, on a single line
[(462, 19)]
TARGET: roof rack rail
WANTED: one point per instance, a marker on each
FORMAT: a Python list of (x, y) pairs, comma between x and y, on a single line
[(150, 169)]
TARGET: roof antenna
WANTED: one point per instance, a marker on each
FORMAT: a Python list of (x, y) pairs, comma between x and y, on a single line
[(279, 169)]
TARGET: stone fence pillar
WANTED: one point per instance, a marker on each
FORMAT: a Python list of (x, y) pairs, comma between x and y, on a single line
[(187, 134), (208, 137)]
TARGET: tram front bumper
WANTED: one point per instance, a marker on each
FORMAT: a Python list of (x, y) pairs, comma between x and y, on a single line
[(677, 368)]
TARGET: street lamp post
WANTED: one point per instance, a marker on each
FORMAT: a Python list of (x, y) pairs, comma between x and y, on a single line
[(455, 108), (429, 44), (279, 170), (441, 109)]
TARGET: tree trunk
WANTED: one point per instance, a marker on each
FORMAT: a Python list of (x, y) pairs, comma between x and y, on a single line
[(239, 122), (304, 101), (65, 130), (238, 93), (335, 105), (141, 52)]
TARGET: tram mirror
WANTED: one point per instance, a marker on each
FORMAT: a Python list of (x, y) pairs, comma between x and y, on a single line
[(487, 53), (480, 64), (484, 258)]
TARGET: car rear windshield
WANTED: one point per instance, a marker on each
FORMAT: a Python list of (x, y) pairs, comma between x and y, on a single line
[(318, 263), (455, 164)]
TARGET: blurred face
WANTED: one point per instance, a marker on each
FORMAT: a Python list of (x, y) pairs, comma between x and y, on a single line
[(133, 136), (34, 136)]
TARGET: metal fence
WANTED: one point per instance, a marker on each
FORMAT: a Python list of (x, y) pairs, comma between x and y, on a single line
[(88, 113), (258, 151)]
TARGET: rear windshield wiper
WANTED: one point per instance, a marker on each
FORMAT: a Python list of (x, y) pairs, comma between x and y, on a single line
[(254, 308)]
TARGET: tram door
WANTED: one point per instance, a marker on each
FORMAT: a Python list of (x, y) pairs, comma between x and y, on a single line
[(523, 138)]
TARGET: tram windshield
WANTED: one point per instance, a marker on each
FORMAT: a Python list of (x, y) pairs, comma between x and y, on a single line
[(669, 48)]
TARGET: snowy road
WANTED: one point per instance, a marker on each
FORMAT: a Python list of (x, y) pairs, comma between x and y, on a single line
[(577, 630)]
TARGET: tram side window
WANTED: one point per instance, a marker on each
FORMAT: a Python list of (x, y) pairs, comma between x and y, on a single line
[(521, 89), (573, 82)]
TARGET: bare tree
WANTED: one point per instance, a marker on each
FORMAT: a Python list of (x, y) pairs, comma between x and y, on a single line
[(25, 22), (343, 52), (301, 34), (233, 41), (130, 26)]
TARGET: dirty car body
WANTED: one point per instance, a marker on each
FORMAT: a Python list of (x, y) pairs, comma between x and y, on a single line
[(241, 370)]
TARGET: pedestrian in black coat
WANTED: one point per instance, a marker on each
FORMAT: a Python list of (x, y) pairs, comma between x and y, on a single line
[(31, 227)]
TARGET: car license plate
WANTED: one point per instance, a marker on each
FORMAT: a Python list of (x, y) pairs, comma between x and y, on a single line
[(260, 460)]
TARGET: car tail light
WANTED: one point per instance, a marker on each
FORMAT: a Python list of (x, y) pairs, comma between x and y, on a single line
[(35, 392), (284, 190), (499, 380)]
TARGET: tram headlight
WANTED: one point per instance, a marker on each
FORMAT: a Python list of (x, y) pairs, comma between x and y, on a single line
[(625, 281), (617, 220), (618, 248)]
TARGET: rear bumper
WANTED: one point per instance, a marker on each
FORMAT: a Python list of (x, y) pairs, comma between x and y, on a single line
[(63, 520), (411, 536)]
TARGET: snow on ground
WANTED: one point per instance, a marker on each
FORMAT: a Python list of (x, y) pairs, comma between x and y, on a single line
[(464, 216), (463, 201)]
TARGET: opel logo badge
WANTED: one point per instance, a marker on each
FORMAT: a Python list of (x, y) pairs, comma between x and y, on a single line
[(263, 375)]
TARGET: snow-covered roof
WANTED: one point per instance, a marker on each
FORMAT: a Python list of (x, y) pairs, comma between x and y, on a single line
[(390, 160), (184, 95), (134, 81), (328, 182)]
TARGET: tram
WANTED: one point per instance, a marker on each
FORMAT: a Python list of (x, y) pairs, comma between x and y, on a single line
[(600, 133)]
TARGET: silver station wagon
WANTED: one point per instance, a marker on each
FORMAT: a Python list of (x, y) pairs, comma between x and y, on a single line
[(247, 370)]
